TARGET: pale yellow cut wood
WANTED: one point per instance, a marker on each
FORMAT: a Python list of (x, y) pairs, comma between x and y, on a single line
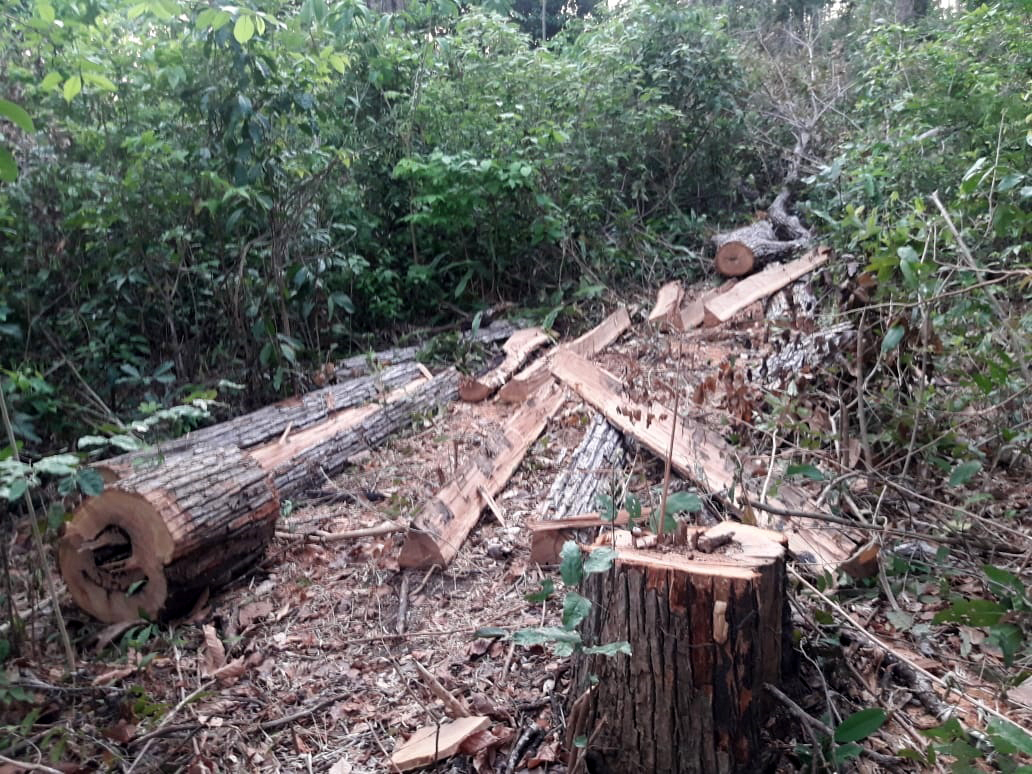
[(694, 312), (517, 349), (668, 305), (435, 743), (439, 530), (699, 453), (527, 381), (768, 281)]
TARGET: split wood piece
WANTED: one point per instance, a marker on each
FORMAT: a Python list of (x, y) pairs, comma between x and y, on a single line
[(694, 312), (155, 540), (435, 743), (770, 280), (699, 454), (370, 362), (530, 379), (517, 349), (594, 462), (304, 458), (440, 529), (548, 537), (705, 634), (268, 423), (667, 310)]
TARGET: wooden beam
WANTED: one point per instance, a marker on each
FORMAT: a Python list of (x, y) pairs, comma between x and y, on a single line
[(527, 381), (699, 454), (517, 349), (770, 280), (667, 310), (441, 528)]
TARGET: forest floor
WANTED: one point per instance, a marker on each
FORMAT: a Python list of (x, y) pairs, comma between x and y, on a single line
[(315, 662)]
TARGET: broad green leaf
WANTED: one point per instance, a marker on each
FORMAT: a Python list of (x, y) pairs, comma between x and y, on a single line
[(100, 81), (1007, 581), (17, 488), (571, 563), (339, 62), (892, 338), (57, 465), (682, 502), (490, 632), (599, 560), (545, 634), (8, 166), (860, 725), (964, 472), (16, 115), (91, 483), (809, 471), (575, 610), (1013, 735), (243, 30), (72, 87), (971, 612), (609, 649), (50, 82), (546, 590)]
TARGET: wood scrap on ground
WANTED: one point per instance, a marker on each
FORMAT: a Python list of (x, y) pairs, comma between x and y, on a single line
[(667, 310), (439, 530), (437, 742), (520, 346), (527, 381)]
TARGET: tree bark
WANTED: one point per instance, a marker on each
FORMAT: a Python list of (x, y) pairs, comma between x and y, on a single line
[(744, 249), (706, 631)]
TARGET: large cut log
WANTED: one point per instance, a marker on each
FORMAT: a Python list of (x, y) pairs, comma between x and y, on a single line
[(779, 234), (770, 280), (370, 362), (698, 453), (440, 529), (517, 349), (152, 541), (706, 631), (668, 306), (269, 422), (530, 379)]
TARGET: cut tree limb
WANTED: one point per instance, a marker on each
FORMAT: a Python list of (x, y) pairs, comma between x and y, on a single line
[(770, 280), (668, 306), (530, 379), (699, 454), (517, 349), (779, 234), (440, 529)]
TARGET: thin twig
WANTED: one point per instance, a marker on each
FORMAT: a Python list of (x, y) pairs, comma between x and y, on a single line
[(167, 719), (403, 603), (23, 766), (667, 464), (286, 720)]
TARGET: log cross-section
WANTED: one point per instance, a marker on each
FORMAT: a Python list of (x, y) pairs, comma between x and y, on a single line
[(440, 529)]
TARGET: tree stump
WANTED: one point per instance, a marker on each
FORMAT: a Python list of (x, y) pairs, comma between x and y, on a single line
[(706, 631)]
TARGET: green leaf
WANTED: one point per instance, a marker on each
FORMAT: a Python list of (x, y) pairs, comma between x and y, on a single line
[(892, 338), (545, 634), (17, 488), (682, 502), (575, 610), (490, 632), (1014, 736), (16, 115), (57, 465), (609, 649), (809, 471), (571, 563), (599, 560), (91, 483), (860, 725), (50, 82), (100, 81), (8, 166), (971, 612), (243, 30), (546, 590), (964, 472), (72, 87)]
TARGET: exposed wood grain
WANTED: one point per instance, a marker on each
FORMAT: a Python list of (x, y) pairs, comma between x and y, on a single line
[(667, 310), (520, 346), (435, 743)]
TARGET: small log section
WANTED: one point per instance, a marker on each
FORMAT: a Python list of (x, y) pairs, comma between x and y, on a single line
[(270, 422), (706, 631), (759, 286), (517, 349), (667, 310), (779, 234), (530, 379), (699, 454), (157, 538), (440, 529)]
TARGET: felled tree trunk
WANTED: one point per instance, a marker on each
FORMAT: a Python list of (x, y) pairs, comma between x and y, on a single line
[(706, 631), (592, 464), (156, 538), (749, 247)]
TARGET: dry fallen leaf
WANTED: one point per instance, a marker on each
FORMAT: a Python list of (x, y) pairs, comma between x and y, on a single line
[(252, 612), (343, 766), (213, 651), (229, 673), (115, 674)]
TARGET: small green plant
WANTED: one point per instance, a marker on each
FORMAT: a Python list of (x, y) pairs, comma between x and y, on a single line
[(842, 745)]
